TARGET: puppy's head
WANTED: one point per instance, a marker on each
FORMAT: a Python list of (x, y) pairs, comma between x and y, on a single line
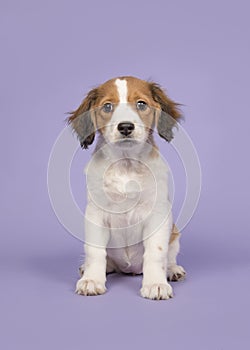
[(125, 111)]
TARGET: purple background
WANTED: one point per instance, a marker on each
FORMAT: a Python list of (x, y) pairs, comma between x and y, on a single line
[(52, 52)]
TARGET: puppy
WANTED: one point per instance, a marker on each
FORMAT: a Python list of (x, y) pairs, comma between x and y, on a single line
[(128, 219)]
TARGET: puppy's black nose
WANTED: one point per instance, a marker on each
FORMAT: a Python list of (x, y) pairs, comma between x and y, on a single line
[(126, 128)]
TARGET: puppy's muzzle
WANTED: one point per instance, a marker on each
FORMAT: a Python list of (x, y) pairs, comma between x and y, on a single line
[(125, 128)]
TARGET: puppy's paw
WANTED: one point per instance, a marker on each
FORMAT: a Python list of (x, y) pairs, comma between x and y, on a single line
[(157, 291), (89, 287), (176, 273)]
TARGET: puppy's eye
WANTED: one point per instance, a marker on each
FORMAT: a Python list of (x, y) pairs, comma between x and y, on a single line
[(107, 107), (141, 105)]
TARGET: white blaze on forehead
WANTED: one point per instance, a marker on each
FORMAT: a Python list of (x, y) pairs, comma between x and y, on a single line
[(123, 111), (122, 90)]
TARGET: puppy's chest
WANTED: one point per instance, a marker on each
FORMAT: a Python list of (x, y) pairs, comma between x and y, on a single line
[(128, 179)]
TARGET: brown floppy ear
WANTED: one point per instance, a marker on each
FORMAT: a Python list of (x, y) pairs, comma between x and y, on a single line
[(81, 120), (169, 112)]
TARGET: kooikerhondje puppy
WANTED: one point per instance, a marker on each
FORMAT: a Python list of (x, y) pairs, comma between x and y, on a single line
[(128, 219)]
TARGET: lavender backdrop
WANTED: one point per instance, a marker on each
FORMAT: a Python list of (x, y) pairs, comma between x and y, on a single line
[(52, 52)]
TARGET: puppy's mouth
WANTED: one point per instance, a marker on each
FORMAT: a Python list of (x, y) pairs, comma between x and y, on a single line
[(127, 141)]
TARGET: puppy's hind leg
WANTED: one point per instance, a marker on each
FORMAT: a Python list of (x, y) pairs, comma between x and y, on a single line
[(175, 272)]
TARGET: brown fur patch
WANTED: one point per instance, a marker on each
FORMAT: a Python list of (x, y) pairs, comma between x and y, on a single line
[(107, 93), (175, 234), (85, 124), (139, 90)]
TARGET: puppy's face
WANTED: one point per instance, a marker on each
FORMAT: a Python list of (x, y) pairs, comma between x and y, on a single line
[(125, 111)]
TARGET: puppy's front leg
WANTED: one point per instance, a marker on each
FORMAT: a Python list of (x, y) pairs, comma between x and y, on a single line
[(94, 277), (154, 284)]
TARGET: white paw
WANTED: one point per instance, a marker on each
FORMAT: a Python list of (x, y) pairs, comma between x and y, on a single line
[(157, 291), (176, 273), (89, 287)]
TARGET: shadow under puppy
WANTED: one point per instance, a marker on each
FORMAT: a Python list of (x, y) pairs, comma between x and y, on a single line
[(128, 219)]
